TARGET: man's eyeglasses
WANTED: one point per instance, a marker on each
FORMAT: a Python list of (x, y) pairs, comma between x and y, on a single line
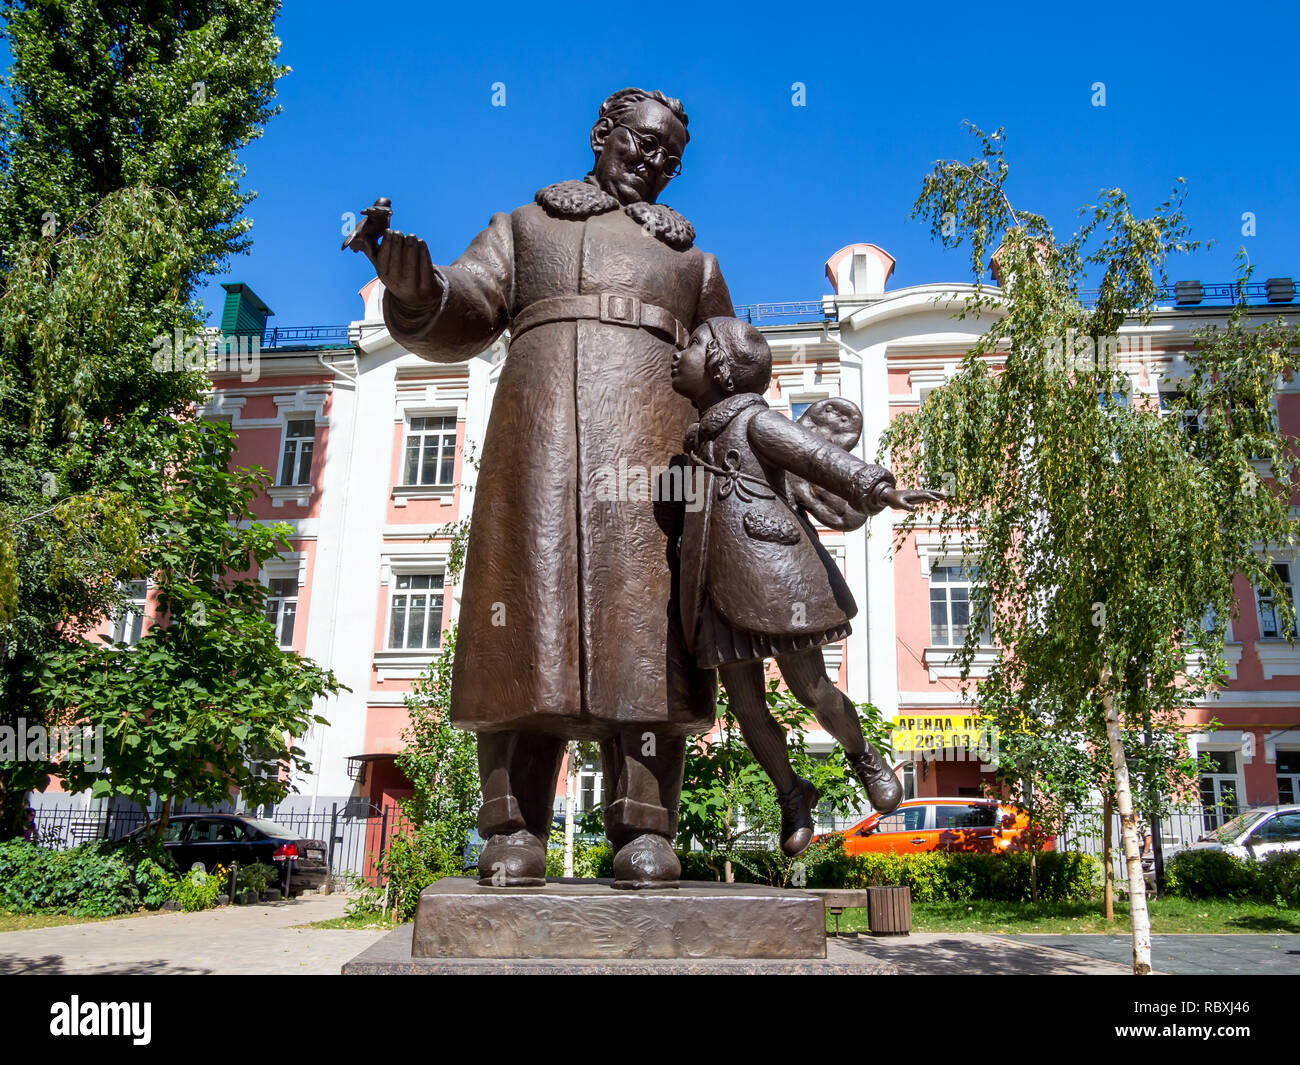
[(654, 152)]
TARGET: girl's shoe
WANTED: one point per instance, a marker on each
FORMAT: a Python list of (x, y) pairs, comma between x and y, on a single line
[(883, 788), (797, 807)]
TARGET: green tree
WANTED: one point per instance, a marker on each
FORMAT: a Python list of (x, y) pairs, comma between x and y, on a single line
[(440, 760), (119, 191), (206, 702), (1106, 532)]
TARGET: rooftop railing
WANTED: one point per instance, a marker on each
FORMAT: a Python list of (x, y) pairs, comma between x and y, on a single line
[(1183, 295), (306, 337)]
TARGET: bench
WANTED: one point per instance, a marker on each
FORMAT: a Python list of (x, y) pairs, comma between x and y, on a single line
[(889, 909)]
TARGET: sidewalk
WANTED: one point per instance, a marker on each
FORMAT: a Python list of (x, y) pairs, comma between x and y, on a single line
[(1190, 955), (232, 940), (245, 940), (977, 954)]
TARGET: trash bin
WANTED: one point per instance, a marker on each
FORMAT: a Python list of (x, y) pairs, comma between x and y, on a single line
[(889, 911)]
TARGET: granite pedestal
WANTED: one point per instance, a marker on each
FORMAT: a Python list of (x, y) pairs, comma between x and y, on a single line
[(590, 919), (391, 956)]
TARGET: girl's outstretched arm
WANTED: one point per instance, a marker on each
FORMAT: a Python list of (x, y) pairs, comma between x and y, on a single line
[(814, 458)]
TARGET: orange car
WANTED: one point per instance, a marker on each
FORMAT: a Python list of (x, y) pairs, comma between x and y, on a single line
[(981, 826)]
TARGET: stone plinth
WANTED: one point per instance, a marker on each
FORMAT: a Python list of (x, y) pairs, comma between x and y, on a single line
[(589, 919)]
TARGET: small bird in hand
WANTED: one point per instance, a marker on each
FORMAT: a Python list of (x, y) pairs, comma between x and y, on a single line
[(373, 225)]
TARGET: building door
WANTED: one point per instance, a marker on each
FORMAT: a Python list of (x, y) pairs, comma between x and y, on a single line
[(1221, 790)]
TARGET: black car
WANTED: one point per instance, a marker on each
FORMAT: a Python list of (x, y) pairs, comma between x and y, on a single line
[(210, 840)]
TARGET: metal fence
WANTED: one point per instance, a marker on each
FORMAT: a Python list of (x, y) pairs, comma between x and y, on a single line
[(355, 838), (358, 835), (1178, 829)]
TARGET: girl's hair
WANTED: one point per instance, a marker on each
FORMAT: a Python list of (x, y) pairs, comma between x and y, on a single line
[(738, 357)]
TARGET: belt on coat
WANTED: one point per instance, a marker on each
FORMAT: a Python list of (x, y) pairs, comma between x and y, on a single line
[(603, 307)]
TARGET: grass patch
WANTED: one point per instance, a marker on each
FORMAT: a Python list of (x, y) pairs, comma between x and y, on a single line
[(1169, 916), (354, 922), (22, 922)]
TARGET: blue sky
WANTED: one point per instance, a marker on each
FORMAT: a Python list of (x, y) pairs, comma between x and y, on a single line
[(395, 99)]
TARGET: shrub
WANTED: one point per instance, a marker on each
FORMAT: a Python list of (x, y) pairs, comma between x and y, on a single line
[(1279, 878), (933, 876), (412, 863), (591, 859), (197, 890), (255, 877), (1211, 874), (82, 881), (153, 870), (154, 883)]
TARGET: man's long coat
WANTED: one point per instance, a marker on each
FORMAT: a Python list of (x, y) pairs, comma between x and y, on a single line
[(566, 624)]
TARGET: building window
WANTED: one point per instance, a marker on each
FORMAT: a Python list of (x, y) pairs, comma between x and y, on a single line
[(909, 780), (1171, 399), (282, 609), (299, 442), (430, 450), (128, 621), (950, 604), (591, 782), (797, 409), (1288, 776), (1219, 788), (1270, 616), (415, 614)]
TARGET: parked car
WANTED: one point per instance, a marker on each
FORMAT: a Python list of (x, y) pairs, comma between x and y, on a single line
[(221, 839), (1256, 833), (981, 826)]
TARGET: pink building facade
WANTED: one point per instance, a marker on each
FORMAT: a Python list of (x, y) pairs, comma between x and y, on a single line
[(371, 450)]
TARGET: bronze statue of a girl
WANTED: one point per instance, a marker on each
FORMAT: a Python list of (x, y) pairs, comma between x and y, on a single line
[(756, 582)]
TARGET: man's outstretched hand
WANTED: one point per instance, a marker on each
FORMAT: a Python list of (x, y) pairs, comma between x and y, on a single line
[(402, 261)]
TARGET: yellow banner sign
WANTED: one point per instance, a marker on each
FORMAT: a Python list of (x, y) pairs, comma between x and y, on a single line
[(959, 737)]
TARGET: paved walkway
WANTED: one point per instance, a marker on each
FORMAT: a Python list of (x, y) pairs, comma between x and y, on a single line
[(232, 940), (1188, 955), (244, 940), (972, 954)]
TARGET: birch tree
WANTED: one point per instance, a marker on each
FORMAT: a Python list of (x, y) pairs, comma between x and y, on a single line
[(1109, 536)]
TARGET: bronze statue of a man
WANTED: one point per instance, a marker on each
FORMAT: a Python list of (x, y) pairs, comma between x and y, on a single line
[(568, 626)]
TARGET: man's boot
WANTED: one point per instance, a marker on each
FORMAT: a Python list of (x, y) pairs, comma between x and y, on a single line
[(514, 860), (518, 772), (646, 861), (797, 806), (883, 788)]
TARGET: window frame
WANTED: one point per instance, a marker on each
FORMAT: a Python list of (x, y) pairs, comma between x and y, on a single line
[(395, 590), (970, 583), (1289, 583), (444, 435), (119, 618), (301, 454), (1217, 813), (279, 601), (1293, 778)]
